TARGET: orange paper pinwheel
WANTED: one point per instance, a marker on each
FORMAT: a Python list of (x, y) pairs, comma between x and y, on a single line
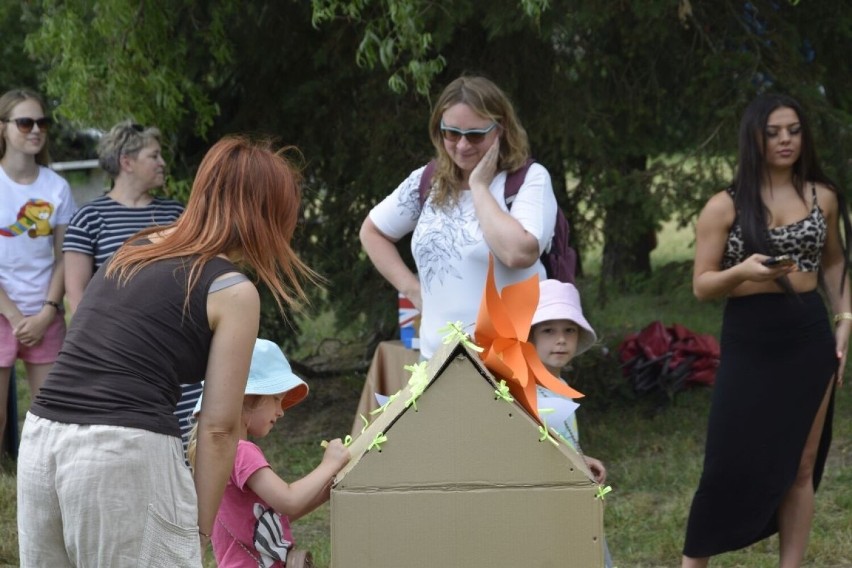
[(503, 329)]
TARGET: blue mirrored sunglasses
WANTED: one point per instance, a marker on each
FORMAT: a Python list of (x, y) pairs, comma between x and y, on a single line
[(474, 135)]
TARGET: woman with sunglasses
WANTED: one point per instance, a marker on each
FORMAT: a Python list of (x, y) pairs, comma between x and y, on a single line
[(478, 140), (102, 479), (35, 207)]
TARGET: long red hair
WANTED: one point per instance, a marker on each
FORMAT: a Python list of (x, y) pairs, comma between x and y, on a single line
[(244, 203)]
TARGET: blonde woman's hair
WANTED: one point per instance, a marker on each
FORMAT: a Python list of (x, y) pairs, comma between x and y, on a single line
[(489, 101)]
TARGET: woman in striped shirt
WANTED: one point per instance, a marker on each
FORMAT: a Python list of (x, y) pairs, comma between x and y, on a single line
[(131, 155)]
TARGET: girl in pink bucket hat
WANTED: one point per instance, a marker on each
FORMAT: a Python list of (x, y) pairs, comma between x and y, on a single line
[(252, 526), (560, 302), (560, 332)]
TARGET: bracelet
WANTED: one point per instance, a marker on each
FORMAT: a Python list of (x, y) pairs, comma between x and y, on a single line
[(59, 308), (205, 535), (842, 316)]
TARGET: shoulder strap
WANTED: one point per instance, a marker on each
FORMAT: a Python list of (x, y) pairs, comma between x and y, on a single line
[(426, 182), (227, 282), (514, 181)]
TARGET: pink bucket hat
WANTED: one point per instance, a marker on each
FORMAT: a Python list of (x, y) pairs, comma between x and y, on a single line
[(561, 301)]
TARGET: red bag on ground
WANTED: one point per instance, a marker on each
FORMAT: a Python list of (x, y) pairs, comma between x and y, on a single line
[(668, 358)]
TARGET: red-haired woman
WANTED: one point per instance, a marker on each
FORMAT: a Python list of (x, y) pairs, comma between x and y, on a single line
[(101, 474)]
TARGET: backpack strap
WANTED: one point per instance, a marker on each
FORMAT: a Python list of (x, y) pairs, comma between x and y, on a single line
[(514, 181), (426, 182)]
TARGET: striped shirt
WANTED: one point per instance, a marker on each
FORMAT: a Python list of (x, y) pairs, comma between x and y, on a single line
[(102, 225)]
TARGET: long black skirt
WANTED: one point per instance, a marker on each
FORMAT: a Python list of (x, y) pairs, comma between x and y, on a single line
[(777, 360)]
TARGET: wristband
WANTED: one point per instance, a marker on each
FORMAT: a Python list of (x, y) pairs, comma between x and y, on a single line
[(842, 316), (59, 308)]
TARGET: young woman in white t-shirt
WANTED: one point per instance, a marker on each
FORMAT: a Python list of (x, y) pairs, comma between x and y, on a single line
[(35, 207), (478, 140)]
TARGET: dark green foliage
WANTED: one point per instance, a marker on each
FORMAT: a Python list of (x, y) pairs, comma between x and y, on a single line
[(632, 106)]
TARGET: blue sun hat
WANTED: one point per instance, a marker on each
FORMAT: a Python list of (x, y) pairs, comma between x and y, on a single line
[(270, 373)]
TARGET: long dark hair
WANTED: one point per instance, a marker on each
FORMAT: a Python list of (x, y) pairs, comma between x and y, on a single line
[(752, 170)]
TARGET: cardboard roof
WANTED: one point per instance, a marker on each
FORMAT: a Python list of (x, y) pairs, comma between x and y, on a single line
[(463, 480)]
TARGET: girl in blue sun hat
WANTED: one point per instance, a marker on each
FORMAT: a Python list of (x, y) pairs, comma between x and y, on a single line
[(252, 526)]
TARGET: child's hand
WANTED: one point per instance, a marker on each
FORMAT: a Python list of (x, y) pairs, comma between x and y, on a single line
[(336, 454), (598, 469)]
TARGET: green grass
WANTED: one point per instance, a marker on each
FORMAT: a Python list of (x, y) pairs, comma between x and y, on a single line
[(652, 448)]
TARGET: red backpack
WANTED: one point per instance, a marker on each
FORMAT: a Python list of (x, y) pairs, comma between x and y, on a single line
[(560, 260)]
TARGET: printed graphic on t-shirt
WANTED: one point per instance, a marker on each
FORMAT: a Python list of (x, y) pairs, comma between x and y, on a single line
[(269, 538), (439, 237), (33, 219)]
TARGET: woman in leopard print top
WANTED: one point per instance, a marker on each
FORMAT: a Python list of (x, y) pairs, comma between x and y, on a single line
[(770, 418)]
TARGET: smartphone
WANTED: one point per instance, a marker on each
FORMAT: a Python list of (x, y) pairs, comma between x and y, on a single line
[(781, 260)]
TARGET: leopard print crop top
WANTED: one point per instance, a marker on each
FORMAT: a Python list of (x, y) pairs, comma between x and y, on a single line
[(802, 240)]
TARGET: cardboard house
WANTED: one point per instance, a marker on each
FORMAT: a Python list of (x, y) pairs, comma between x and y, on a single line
[(462, 478)]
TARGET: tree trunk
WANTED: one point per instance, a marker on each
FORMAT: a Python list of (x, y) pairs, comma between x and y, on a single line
[(629, 226)]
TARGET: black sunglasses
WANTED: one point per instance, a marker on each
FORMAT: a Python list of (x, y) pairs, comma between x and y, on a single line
[(25, 125), (474, 135)]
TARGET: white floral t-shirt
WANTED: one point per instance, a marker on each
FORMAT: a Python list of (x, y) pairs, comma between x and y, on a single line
[(450, 251)]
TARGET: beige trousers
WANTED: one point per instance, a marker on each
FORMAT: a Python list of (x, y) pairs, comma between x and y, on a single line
[(94, 496)]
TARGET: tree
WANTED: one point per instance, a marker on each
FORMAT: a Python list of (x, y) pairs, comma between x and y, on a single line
[(151, 60), (287, 80), (632, 106), (643, 83), (16, 71)]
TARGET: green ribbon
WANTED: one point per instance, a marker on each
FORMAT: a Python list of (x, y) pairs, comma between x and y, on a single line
[(377, 442), (417, 383), (503, 392), (455, 332), (545, 434), (602, 491), (390, 399), (366, 422), (346, 441)]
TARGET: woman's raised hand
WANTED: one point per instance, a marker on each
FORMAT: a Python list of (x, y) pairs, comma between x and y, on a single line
[(484, 172)]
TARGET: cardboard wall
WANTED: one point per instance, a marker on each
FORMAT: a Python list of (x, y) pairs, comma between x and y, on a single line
[(463, 480)]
